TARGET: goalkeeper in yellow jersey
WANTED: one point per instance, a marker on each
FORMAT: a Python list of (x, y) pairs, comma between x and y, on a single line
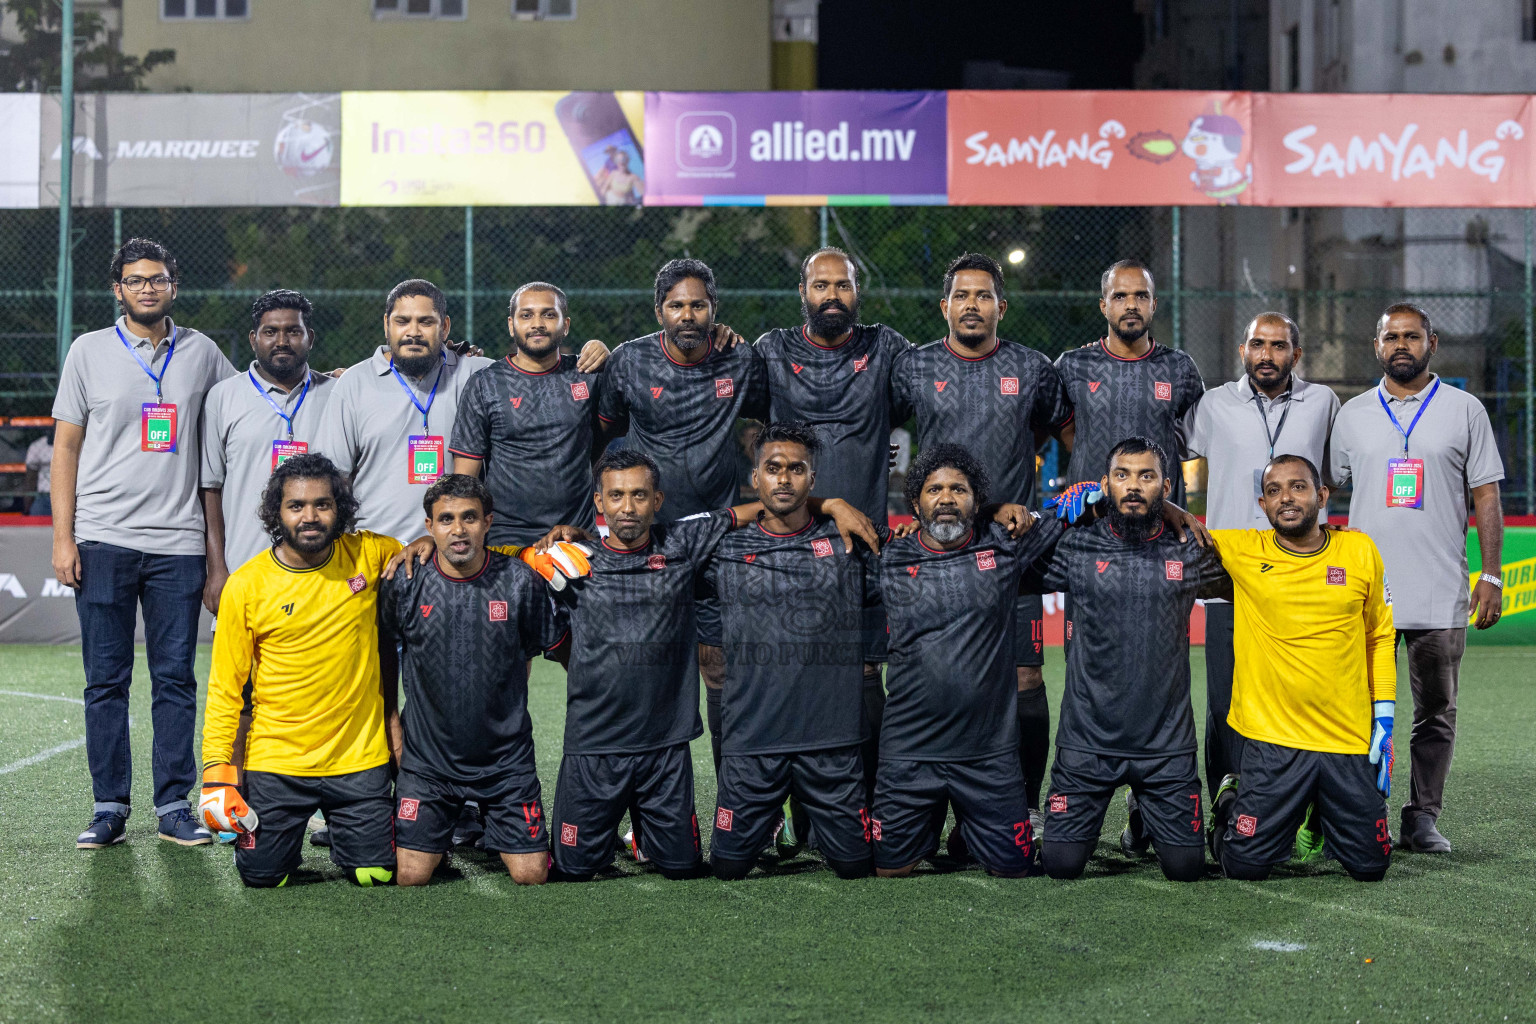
[(299, 620), (1314, 686)]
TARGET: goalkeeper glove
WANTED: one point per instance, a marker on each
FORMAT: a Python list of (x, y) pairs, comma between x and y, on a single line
[(1381, 744), (1071, 503), (562, 563), (222, 807)]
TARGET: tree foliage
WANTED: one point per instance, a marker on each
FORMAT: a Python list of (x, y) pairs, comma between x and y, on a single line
[(32, 62)]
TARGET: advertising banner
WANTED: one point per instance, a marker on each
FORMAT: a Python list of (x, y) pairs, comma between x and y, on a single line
[(1393, 150), (795, 148), (183, 149), (20, 123), (492, 149), (1100, 148)]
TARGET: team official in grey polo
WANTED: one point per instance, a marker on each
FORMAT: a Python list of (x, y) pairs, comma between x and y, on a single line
[(128, 532), (1418, 451), (1238, 427), (409, 388), (253, 421)]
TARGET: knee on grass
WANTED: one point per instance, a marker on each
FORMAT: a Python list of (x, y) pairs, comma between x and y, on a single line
[(728, 870), (1181, 863), (264, 882), (527, 869), (1065, 860), (850, 869), (895, 872), (370, 877), (1374, 875), (1243, 871)]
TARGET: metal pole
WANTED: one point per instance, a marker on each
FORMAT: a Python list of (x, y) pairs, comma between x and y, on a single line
[(64, 310), (469, 274), (117, 229), (1177, 282), (822, 214), (1530, 372)]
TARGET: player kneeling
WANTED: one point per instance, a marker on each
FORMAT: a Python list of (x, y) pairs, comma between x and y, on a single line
[(304, 614)]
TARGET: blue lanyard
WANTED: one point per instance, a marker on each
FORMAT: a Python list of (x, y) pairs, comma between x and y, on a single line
[(286, 417), (1422, 406), (409, 393), (1274, 438), (165, 366)]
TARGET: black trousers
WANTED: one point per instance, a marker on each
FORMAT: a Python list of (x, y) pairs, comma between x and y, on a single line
[(1223, 746)]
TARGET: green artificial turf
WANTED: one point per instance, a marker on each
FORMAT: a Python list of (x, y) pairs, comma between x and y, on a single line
[(149, 931)]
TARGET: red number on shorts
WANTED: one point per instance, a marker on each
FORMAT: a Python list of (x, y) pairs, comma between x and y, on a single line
[(532, 813), (1382, 835), (1023, 836), (864, 820), (1198, 820)]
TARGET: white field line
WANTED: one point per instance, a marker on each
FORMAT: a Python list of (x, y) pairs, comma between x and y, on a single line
[(44, 755)]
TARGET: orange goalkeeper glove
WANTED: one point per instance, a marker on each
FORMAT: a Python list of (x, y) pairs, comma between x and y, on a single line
[(561, 564), (221, 805)]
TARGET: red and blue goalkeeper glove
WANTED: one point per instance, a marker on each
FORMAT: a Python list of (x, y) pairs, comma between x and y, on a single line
[(1381, 744), (1071, 503)]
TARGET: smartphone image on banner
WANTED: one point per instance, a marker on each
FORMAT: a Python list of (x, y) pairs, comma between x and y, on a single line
[(599, 133)]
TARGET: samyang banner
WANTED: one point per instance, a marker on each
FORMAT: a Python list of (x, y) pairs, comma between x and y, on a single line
[(795, 148), (183, 149)]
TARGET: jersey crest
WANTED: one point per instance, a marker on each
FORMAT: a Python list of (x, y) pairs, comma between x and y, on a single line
[(579, 390), (861, 364), (498, 611), (1174, 570), (822, 547), (1009, 385), (725, 387), (1336, 576), (986, 560), (1162, 391), (358, 583)]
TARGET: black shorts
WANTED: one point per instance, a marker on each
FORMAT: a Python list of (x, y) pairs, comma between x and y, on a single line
[(876, 632), (707, 621), (828, 783), (1276, 785), (1082, 784), (1029, 630), (988, 797), (427, 809), (357, 807), (594, 791)]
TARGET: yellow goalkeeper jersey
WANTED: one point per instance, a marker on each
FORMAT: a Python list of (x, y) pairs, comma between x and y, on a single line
[(309, 641), (1314, 643)]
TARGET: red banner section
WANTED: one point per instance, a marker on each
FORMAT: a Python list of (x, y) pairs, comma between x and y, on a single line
[(1392, 150), (1100, 148)]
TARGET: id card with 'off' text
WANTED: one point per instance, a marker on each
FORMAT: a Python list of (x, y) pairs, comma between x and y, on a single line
[(157, 427), (1405, 483), (425, 452)]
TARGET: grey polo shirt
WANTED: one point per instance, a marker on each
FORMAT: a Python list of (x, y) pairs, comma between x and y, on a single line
[(1227, 428), (145, 501), (365, 429), (1424, 549), (239, 427)]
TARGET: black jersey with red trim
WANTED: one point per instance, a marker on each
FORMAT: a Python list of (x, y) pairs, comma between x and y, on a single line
[(632, 684), (950, 680), (791, 610), (465, 646), (1127, 691), (535, 433), (993, 405), (844, 392), (1114, 398), (685, 417)]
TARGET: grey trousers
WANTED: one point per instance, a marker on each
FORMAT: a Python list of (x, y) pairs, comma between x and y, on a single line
[(1434, 671)]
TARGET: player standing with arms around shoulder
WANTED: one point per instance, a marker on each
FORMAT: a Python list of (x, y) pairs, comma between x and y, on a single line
[(1314, 689), (324, 728), (467, 628)]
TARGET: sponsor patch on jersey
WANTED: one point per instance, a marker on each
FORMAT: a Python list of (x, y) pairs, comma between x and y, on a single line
[(1102, 566), (656, 562), (656, 392), (1336, 576), (1162, 391), (567, 834), (426, 610), (725, 387), (1174, 570), (861, 364), (517, 402), (1058, 803), (986, 559), (821, 547), (1009, 385), (1093, 387), (408, 809), (358, 583), (498, 611), (912, 571), (579, 390), (938, 385), (723, 819), (1247, 825), (247, 841), (1069, 629)]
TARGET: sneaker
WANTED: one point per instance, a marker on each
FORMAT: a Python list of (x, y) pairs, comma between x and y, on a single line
[(1221, 810), (1420, 835), (633, 848), (955, 845), (1134, 841), (1036, 824), (225, 838), (320, 837), (108, 828), (468, 830), (1309, 838), (181, 828), (789, 840)]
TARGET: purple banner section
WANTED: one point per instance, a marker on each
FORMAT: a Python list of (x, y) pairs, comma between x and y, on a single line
[(760, 146)]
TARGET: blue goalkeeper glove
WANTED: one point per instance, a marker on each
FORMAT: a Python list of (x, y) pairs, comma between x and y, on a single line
[(1071, 503), (1381, 744)]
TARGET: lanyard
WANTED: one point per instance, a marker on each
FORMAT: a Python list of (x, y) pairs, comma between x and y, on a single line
[(286, 417), (1274, 438), (164, 367), (1422, 406), (423, 409)]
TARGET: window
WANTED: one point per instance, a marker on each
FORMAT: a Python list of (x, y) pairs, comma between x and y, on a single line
[(443, 10), (205, 10), (1528, 21), (544, 10)]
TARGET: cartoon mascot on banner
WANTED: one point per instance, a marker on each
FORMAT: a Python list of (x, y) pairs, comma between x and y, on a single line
[(1215, 142)]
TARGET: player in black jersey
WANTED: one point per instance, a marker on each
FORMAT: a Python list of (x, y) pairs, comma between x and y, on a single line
[(951, 726), (1127, 385), (467, 627), (1125, 715), (1000, 400), (793, 719)]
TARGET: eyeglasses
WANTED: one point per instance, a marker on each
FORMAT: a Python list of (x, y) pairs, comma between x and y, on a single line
[(157, 283)]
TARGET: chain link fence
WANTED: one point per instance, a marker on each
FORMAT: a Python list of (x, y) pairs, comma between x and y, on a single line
[(1333, 270)]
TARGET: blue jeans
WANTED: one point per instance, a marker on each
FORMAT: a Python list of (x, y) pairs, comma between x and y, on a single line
[(114, 581)]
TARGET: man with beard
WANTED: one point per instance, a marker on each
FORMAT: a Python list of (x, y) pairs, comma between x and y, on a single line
[(1314, 689), (1000, 400), (528, 423), (1125, 716), (128, 532), (324, 729), (1126, 385), (1238, 427), (1416, 449)]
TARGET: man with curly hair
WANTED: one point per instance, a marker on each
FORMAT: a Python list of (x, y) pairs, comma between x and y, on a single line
[(324, 729)]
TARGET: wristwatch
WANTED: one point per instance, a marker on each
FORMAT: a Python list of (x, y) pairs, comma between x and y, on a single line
[(1489, 577)]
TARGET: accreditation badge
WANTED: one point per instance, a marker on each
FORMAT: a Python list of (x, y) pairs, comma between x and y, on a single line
[(157, 428), (282, 451), (425, 452), (1405, 483)]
